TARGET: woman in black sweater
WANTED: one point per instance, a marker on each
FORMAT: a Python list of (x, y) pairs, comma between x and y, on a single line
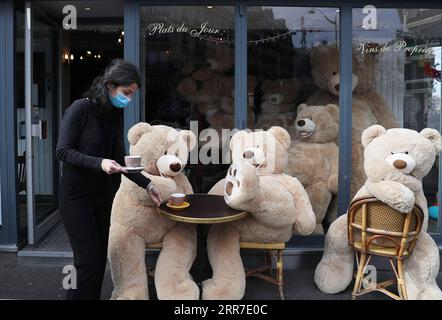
[(91, 146)]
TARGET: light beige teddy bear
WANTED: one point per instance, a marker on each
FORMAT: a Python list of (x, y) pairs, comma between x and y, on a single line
[(396, 160), (277, 203), (313, 158), (368, 108), (136, 222)]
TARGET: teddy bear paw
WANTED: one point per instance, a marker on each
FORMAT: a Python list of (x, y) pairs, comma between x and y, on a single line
[(221, 290), (241, 182), (185, 290)]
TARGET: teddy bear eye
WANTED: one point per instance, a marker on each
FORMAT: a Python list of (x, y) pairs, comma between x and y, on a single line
[(406, 152), (392, 152), (165, 152), (334, 73)]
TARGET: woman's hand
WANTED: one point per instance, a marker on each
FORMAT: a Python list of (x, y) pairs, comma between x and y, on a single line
[(154, 194), (111, 167)]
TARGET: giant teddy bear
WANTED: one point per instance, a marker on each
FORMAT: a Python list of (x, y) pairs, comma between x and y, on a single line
[(313, 158), (396, 160), (135, 221), (368, 107), (277, 203)]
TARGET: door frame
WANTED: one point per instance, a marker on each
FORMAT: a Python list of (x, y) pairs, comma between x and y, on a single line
[(36, 230)]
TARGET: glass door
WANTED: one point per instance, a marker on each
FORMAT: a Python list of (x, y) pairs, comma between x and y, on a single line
[(40, 119)]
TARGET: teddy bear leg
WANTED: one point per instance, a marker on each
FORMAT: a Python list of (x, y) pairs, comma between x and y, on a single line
[(335, 270), (126, 255), (172, 278), (228, 281), (421, 269), (320, 198)]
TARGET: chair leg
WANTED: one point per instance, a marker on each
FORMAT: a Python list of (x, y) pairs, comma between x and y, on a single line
[(401, 280), (359, 275), (280, 274)]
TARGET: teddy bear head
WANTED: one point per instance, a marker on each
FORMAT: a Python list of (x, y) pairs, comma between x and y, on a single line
[(266, 150), (318, 124), (280, 91), (325, 69), (220, 58), (163, 150), (391, 154)]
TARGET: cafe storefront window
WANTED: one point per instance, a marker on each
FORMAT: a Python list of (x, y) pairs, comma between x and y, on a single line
[(293, 78)]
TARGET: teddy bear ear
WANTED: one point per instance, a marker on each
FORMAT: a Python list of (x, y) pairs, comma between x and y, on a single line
[(134, 134), (333, 110), (281, 135), (370, 133), (236, 137), (188, 137), (301, 107), (434, 136)]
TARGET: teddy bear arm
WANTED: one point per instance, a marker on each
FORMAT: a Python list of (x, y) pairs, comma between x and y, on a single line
[(392, 193), (305, 218), (183, 184), (218, 188), (333, 179), (381, 110), (166, 186)]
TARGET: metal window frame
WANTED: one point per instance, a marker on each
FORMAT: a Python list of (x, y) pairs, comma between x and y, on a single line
[(8, 164), (132, 53)]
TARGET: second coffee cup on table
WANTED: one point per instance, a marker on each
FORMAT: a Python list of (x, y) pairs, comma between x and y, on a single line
[(132, 161)]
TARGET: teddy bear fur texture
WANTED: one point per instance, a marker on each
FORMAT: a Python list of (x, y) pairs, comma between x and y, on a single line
[(400, 187), (277, 205), (313, 158), (368, 107), (136, 222)]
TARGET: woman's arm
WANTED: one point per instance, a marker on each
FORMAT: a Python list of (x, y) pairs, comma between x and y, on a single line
[(138, 178), (68, 137)]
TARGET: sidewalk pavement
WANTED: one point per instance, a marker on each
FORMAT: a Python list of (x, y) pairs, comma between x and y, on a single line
[(41, 279)]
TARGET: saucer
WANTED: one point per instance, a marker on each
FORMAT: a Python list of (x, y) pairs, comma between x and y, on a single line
[(133, 169), (183, 206)]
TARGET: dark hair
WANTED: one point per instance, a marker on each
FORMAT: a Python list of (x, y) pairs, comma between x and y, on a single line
[(118, 73)]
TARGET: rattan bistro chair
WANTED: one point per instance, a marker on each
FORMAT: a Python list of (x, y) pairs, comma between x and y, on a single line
[(273, 250), (375, 229)]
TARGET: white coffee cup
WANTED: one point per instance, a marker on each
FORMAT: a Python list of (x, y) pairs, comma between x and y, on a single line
[(177, 199), (132, 161)]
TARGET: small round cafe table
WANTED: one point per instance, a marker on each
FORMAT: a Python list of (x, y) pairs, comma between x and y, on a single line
[(203, 209)]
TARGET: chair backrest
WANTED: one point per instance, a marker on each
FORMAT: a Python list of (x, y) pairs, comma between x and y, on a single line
[(21, 162), (372, 222)]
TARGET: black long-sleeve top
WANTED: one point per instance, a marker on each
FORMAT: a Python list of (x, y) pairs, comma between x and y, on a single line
[(86, 137)]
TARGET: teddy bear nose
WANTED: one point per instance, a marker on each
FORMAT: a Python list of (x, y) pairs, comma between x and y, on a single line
[(337, 87), (301, 123), (399, 164), (248, 154), (175, 167)]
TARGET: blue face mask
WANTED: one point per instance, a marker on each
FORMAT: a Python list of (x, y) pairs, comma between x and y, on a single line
[(120, 100)]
